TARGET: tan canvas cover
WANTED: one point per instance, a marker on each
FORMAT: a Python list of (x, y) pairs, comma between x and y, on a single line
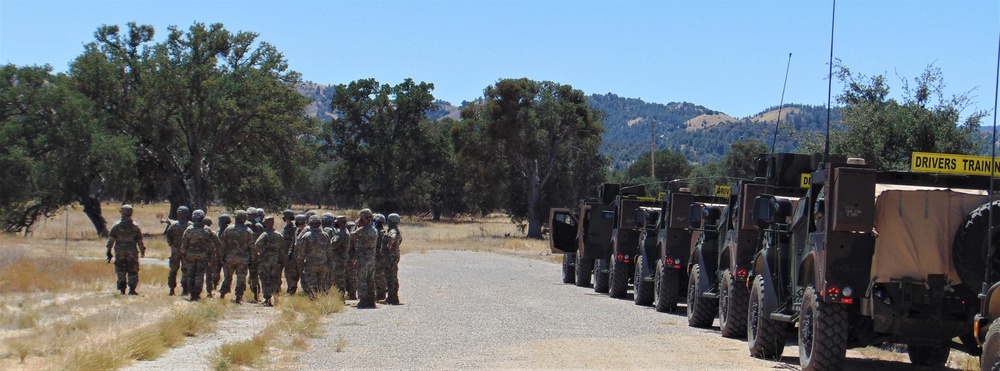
[(916, 229)]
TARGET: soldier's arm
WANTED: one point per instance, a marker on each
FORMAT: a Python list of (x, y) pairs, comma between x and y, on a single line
[(222, 245), (138, 239), (215, 248), (261, 241), (111, 240), (185, 239)]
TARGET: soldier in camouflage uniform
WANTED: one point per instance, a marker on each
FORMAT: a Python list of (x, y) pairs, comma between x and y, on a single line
[(340, 243), (365, 239), (236, 249), (313, 246), (327, 220), (125, 238), (199, 246), (254, 219), (293, 270), (390, 263), (216, 265), (271, 246), (380, 285), (351, 281), (174, 232), (288, 233)]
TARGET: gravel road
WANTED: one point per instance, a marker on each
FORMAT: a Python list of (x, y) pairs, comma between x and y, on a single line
[(485, 311)]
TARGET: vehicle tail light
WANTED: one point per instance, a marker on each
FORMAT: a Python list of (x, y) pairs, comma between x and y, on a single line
[(741, 273)]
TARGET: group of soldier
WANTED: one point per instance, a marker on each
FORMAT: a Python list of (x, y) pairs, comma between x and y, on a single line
[(324, 252)]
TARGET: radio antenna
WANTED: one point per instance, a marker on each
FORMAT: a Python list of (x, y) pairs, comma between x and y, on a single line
[(989, 193), (829, 86), (774, 140)]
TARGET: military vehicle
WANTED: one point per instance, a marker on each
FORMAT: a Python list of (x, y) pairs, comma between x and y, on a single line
[(584, 236), (867, 257), (987, 321), (718, 272), (660, 273), (628, 223)]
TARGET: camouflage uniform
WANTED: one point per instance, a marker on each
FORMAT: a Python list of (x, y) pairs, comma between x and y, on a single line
[(254, 223), (271, 246), (380, 284), (390, 263), (340, 243), (351, 281), (199, 246), (288, 233), (236, 241), (125, 238), (365, 239), (313, 246), (294, 267), (215, 266), (174, 232), (327, 221)]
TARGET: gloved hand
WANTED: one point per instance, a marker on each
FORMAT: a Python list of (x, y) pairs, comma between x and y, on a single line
[(109, 256)]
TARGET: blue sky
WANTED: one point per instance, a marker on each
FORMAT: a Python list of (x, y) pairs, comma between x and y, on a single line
[(726, 55)]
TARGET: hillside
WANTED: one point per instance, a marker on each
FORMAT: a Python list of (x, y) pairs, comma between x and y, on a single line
[(701, 134)]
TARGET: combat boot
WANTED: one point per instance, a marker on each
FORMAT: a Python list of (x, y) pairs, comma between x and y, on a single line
[(195, 297), (171, 292), (238, 300), (121, 287), (131, 291), (267, 302), (392, 300)]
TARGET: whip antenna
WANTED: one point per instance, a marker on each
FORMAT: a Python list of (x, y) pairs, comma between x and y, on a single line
[(774, 140), (829, 86), (989, 193)]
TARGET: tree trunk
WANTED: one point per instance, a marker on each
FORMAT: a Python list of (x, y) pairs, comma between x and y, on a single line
[(92, 207), (178, 196), (534, 192)]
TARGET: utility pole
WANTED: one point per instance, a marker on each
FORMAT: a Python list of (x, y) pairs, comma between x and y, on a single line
[(652, 149)]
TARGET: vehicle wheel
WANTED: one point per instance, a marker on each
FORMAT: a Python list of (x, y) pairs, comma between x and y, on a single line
[(666, 288), (700, 311), (967, 250), (584, 269), (643, 290), (765, 337), (569, 268), (990, 360), (600, 278), (822, 333), (619, 280), (733, 301), (928, 355)]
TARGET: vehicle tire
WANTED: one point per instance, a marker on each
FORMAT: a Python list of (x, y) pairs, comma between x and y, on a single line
[(643, 291), (765, 336), (734, 298), (967, 251), (928, 355), (700, 311), (600, 278), (569, 268), (990, 360), (584, 270), (618, 287), (822, 334), (667, 289)]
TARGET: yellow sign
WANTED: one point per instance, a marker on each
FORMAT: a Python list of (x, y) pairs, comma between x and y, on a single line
[(661, 196), (804, 180), (952, 164), (723, 191)]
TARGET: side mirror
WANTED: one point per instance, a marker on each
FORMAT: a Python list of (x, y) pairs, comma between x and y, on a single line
[(694, 215), (762, 211)]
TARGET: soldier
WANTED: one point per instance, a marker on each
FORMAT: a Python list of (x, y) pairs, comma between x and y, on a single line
[(212, 263), (124, 237), (288, 233), (390, 265), (270, 245), (340, 243), (351, 281), (174, 232), (236, 245), (327, 220), (365, 239), (216, 266), (313, 246), (254, 218), (294, 268), (199, 246), (380, 285)]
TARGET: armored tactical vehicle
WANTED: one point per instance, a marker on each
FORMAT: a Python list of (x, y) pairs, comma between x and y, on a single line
[(660, 273), (628, 225), (867, 257), (717, 282), (584, 236)]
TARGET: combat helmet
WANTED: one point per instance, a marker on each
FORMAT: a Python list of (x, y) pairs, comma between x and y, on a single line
[(327, 219), (301, 219), (198, 215), (126, 210), (393, 218), (287, 214), (225, 219), (241, 217), (379, 218), (183, 210)]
